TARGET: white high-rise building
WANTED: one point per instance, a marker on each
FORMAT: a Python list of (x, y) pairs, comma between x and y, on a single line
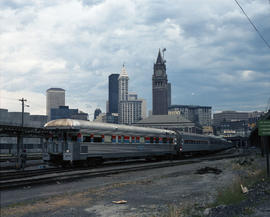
[(55, 97), (130, 107), (123, 85), (144, 109), (130, 111)]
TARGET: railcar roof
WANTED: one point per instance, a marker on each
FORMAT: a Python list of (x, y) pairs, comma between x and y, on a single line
[(81, 124), (202, 136)]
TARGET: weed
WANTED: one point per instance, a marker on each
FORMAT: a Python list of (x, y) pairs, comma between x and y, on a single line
[(172, 211), (248, 211)]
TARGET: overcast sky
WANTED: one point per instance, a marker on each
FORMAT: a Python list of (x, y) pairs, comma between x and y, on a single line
[(214, 56)]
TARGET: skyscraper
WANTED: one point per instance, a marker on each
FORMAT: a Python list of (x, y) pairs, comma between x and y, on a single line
[(159, 87), (55, 97), (130, 107), (113, 93), (123, 96), (123, 85)]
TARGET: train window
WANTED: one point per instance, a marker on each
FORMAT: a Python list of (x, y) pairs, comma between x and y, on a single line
[(84, 149), (164, 140), (97, 139), (190, 142), (151, 139), (126, 139), (119, 139), (171, 140), (86, 139), (107, 139), (73, 138), (113, 139)]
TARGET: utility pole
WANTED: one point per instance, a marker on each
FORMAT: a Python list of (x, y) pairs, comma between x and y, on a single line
[(20, 137), (22, 100)]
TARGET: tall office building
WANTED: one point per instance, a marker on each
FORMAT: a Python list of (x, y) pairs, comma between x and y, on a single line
[(123, 85), (159, 87), (144, 109), (55, 97), (129, 107), (123, 96), (113, 93)]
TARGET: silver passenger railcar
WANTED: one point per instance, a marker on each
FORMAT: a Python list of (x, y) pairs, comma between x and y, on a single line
[(78, 141), (192, 143)]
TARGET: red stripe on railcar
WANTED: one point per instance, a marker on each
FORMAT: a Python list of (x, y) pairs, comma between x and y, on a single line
[(113, 138), (79, 137)]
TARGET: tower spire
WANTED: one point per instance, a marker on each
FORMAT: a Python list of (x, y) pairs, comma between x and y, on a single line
[(159, 58), (123, 71)]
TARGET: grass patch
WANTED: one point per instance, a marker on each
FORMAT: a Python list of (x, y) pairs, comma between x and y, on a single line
[(184, 210), (248, 211), (173, 211), (230, 195), (233, 194), (248, 175)]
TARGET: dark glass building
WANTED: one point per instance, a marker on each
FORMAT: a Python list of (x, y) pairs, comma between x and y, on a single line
[(113, 93), (66, 112), (96, 113)]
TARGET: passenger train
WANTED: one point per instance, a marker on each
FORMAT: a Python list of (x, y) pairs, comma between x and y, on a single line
[(90, 143)]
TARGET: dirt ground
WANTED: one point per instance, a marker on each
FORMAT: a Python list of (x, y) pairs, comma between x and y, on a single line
[(173, 191)]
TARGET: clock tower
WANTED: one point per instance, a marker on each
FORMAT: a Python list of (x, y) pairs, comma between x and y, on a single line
[(159, 87)]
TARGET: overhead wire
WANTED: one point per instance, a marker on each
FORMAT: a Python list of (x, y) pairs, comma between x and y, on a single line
[(261, 36)]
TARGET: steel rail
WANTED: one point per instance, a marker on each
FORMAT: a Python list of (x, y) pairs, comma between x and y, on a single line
[(30, 173)]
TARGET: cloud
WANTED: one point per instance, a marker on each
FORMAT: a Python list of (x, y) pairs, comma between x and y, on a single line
[(36, 101), (75, 44)]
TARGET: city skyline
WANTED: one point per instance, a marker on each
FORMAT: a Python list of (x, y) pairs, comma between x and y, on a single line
[(214, 57)]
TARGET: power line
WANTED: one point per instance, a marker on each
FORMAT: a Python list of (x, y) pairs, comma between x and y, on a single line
[(267, 44)]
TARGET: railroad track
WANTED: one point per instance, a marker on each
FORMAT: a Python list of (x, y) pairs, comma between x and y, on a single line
[(72, 174), (30, 173), (36, 172), (13, 158)]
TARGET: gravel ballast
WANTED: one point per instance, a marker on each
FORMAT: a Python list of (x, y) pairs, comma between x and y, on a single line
[(173, 191)]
